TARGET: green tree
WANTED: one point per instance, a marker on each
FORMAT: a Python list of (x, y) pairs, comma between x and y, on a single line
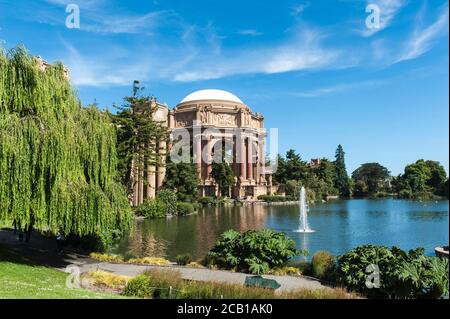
[(424, 177), (138, 136), (342, 181), (296, 168), (280, 175), (325, 175), (373, 175), (224, 177), (58, 160), (183, 179)]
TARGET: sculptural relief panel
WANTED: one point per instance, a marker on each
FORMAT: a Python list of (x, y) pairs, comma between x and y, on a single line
[(184, 119), (224, 119)]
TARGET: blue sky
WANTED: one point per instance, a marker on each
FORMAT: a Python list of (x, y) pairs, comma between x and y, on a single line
[(313, 68)]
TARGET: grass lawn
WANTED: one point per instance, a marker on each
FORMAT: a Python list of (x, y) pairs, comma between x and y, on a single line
[(19, 280)]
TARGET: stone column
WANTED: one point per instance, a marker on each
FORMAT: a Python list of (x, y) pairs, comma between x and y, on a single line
[(198, 154), (242, 159), (258, 162), (210, 144), (141, 186), (262, 150), (250, 158), (151, 181), (162, 148)]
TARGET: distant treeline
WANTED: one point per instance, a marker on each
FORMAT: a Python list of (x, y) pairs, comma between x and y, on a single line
[(424, 179)]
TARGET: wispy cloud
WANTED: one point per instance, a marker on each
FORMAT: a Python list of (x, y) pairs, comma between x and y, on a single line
[(94, 71), (84, 4), (250, 32), (299, 8), (303, 52), (388, 11), (97, 18), (338, 88), (422, 39)]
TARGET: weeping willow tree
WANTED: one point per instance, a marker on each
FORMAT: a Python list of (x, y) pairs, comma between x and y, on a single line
[(58, 160)]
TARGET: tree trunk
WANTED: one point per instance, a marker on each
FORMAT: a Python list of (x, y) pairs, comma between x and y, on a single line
[(29, 229)]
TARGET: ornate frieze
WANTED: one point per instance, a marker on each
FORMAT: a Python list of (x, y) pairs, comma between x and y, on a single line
[(184, 119), (224, 119)]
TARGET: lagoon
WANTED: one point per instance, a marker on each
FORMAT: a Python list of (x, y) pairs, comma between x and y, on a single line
[(339, 226)]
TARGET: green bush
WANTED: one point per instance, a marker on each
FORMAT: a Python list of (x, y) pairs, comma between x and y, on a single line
[(169, 197), (402, 274), (254, 251), (275, 198), (207, 201), (183, 260), (152, 208), (139, 286), (405, 193), (322, 265), (184, 209)]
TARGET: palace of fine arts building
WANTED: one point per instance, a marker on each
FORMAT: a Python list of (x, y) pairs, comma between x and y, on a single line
[(215, 120)]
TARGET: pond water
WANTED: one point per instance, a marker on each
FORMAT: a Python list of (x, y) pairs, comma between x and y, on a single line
[(339, 226)]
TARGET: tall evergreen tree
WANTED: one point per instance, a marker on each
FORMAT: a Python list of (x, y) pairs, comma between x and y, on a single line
[(138, 135), (342, 181), (296, 168), (58, 160)]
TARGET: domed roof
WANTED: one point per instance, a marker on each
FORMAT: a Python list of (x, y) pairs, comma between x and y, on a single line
[(211, 95)]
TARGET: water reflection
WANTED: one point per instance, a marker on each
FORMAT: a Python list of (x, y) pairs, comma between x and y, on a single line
[(339, 225)]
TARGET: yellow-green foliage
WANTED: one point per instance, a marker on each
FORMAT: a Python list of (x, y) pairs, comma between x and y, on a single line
[(167, 284), (286, 270), (322, 264), (194, 264), (58, 160), (102, 278), (158, 261), (106, 257)]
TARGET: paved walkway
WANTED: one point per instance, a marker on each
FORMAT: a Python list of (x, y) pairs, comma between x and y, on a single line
[(42, 251), (201, 274)]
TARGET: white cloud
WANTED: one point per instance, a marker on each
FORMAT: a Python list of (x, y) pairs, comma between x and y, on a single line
[(388, 11), (97, 18), (122, 24), (302, 52), (83, 4), (299, 8), (423, 38), (249, 32), (106, 70), (338, 88)]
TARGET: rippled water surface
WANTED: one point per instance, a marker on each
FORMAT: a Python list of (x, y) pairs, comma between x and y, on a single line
[(339, 226)]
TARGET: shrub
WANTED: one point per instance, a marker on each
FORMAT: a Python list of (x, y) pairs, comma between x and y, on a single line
[(159, 261), (285, 270), (106, 257), (102, 278), (168, 197), (274, 198), (405, 193), (152, 208), (139, 286), (195, 264), (402, 274), (184, 209), (254, 251), (184, 259), (323, 264), (207, 201)]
